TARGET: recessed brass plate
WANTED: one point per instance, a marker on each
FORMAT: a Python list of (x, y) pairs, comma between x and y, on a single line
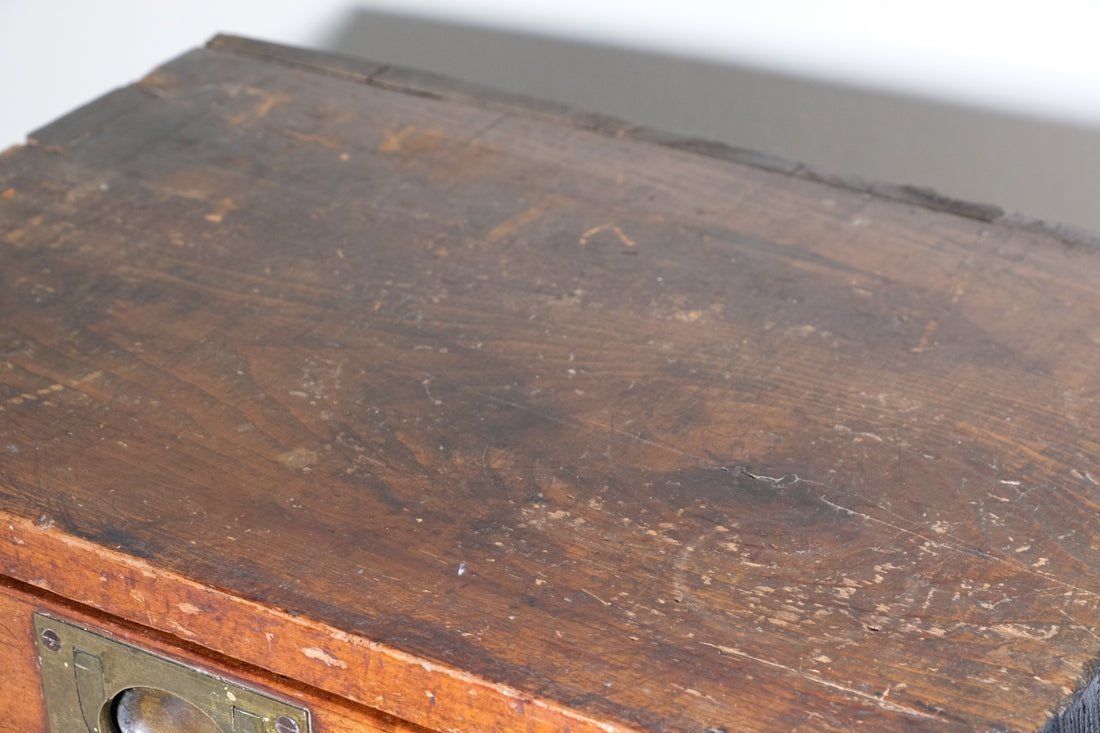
[(84, 676)]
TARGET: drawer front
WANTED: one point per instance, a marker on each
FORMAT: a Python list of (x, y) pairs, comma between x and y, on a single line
[(21, 688)]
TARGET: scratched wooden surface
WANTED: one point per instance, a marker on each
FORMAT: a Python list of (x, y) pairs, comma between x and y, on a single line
[(493, 421)]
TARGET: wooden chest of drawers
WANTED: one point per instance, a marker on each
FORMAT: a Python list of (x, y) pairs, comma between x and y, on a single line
[(415, 407)]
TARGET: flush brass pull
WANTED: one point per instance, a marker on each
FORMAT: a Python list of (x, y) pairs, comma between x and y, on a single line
[(93, 683)]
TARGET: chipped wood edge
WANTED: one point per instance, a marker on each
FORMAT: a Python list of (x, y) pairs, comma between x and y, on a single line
[(437, 86), (378, 676)]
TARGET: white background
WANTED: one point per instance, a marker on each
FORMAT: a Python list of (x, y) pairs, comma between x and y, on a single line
[(1034, 61)]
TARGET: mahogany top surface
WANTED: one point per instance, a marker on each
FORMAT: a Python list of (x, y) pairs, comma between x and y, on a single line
[(663, 439)]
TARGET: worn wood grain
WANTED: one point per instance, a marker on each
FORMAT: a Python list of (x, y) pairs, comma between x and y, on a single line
[(494, 421)]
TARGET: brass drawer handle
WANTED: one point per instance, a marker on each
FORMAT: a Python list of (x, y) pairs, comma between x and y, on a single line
[(149, 710), (95, 683)]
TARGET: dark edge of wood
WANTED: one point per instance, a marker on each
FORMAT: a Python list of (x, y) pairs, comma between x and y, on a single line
[(417, 83), (82, 122), (439, 86), (1081, 713)]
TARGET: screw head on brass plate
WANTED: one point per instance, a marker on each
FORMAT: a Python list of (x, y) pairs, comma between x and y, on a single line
[(51, 640), (93, 683), (284, 724)]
